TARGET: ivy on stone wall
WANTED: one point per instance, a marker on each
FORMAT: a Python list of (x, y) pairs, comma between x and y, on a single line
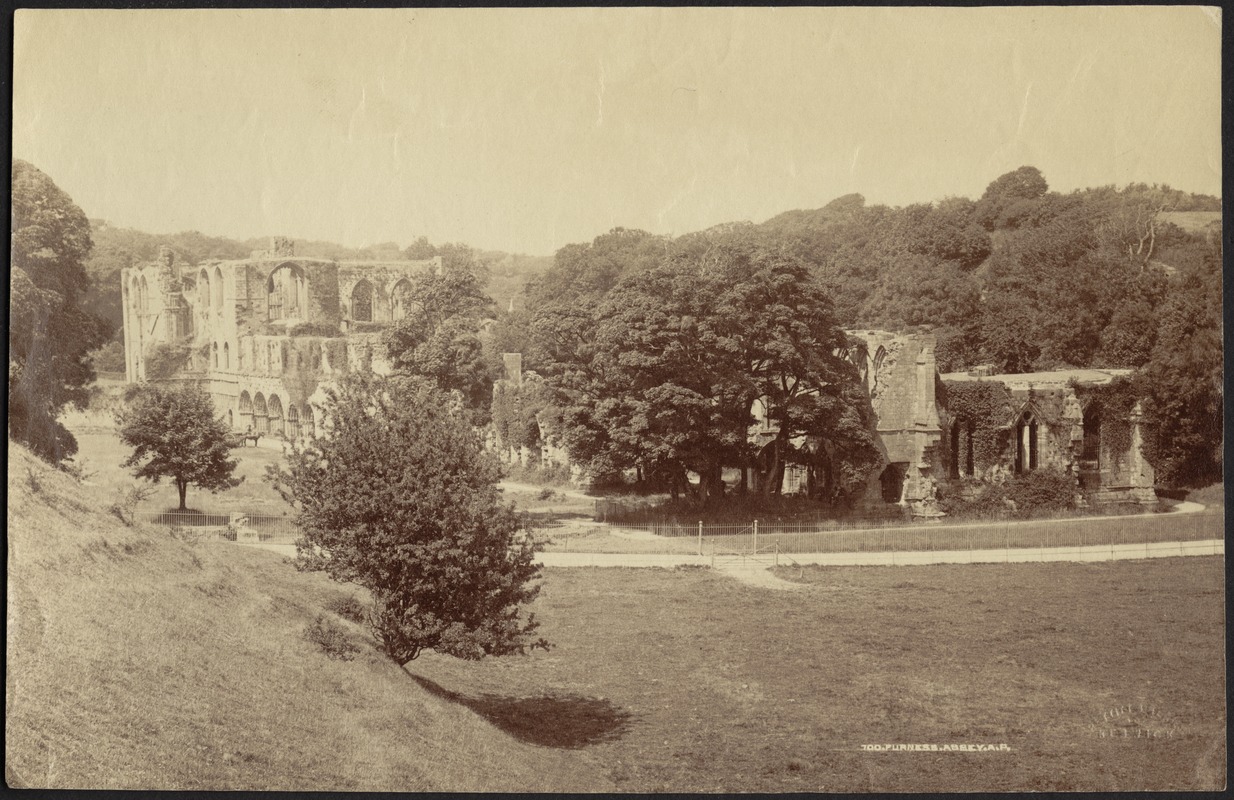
[(165, 359), (318, 329), (336, 351), (1117, 400), (515, 412), (301, 375), (988, 406)]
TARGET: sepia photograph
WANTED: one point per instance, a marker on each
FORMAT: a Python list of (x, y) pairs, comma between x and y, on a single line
[(616, 400)]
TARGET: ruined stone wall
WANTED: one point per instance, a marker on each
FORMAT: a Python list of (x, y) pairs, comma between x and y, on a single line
[(383, 276), (900, 374)]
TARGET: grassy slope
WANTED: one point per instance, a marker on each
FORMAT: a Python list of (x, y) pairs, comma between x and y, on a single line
[(139, 661), (720, 686)]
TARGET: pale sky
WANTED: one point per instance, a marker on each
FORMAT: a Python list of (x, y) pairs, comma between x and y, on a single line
[(525, 130)]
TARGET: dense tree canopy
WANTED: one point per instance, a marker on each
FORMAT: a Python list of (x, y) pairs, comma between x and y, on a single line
[(662, 371), (49, 333), (1022, 279), (399, 496)]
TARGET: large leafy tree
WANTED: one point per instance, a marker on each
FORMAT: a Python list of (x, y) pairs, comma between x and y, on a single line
[(664, 370), (174, 434), (399, 496), (1183, 381), (49, 333), (439, 338)]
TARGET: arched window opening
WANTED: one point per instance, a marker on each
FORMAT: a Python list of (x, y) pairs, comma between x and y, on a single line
[(226, 355), (270, 360), (216, 291), (231, 420), (1026, 450), (362, 302), (215, 350), (246, 410), (877, 364), (275, 409), (203, 293), (400, 300), (261, 416), (961, 465), (287, 293), (293, 422)]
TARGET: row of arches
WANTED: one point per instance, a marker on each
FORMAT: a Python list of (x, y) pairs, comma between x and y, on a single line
[(266, 415), (364, 296), (1028, 433), (210, 291), (287, 297), (272, 357)]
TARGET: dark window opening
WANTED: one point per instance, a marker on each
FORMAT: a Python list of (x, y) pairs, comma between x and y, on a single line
[(892, 481)]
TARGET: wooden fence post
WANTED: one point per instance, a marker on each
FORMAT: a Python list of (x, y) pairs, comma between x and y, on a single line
[(700, 537)]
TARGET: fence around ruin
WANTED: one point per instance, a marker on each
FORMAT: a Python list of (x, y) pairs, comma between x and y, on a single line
[(231, 525), (832, 537), (788, 538)]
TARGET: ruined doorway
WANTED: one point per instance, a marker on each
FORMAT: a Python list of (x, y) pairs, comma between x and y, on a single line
[(892, 481)]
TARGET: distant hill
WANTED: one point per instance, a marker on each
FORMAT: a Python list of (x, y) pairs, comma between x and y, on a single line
[(509, 274)]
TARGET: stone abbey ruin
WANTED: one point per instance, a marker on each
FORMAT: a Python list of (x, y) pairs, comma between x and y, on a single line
[(262, 334), (265, 335)]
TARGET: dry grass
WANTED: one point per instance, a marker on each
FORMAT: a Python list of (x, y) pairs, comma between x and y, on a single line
[(138, 661)]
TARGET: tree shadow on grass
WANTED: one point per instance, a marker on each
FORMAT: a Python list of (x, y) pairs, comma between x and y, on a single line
[(566, 721)]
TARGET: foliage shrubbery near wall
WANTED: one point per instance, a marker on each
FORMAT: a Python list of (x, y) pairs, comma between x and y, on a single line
[(539, 474), (315, 329), (165, 359), (1117, 399), (1042, 492)]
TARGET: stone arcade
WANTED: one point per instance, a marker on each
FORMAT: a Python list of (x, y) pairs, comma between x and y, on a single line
[(262, 334)]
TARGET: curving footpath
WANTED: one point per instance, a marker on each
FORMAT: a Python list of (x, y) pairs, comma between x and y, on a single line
[(752, 567)]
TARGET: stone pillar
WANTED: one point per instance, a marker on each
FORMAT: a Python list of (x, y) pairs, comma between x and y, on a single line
[(1140, 473)]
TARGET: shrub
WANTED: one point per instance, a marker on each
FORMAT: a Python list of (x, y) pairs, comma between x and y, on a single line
[(1042, 491), (348, 608), (546, 494), (314, 329), (402, 496), (109, 357), (165, 359), (127, 500), (331, 638), (1037, 493)]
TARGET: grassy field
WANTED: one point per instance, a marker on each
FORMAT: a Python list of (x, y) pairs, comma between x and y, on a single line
[(136, 660), (719, 686)]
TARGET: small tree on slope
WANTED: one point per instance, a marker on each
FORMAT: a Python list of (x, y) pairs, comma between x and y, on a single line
[(174, 435), (398, 496)]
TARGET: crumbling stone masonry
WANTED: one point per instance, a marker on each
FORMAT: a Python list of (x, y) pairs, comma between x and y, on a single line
[(263, 334)]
